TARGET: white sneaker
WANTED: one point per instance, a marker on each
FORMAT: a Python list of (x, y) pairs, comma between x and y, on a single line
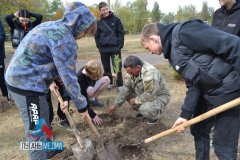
[(119, 88)]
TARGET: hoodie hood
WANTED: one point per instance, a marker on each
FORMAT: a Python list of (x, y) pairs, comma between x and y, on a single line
[(165, 32), (235, 7), (77, 17)]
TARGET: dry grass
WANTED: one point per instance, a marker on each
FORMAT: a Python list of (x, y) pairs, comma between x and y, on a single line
[(87, 48)]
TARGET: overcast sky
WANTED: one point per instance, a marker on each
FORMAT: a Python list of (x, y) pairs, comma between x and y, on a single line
[(164, 5)]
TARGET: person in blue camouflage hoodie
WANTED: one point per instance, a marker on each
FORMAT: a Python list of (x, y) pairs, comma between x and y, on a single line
[(48, 51)]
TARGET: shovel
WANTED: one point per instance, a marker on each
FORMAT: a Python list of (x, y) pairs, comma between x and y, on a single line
[(83, 149), (213, 112), (109, 150)]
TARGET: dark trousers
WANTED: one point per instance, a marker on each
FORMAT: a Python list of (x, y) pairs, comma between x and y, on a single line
[(60, 113), (2, 80), (225, 133), (106, 58)]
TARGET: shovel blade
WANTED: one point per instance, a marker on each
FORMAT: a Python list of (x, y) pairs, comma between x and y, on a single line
[(110, 152), (85, 153)]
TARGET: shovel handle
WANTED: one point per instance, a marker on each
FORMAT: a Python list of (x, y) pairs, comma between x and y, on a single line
[(213, 112), (87, 118), (69, 118), (92, 126)]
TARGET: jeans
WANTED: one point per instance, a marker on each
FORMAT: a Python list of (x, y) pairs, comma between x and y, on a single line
[(225, 133), (24, 104), (105, 58)]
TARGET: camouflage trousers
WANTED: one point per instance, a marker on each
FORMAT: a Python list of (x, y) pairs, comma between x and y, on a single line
[(152, 109)]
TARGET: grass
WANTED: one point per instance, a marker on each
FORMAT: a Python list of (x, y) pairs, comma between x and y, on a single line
[(87, 48)]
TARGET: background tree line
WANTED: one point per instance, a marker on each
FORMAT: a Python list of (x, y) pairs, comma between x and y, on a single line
[(133, 15)]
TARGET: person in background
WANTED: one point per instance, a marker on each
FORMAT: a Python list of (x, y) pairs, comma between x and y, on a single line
[(110, 41), (46, 52), (20, 24), (145, 90), (2, 64), (227, 18), (209, 61), (92, 84)]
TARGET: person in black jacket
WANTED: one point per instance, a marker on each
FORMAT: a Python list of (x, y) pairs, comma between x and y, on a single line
[(2, 65), (20, 24), (110, 40), (227, 18), (209, 61)]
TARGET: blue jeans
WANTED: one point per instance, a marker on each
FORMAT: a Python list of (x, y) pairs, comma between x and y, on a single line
[(225, 133), (24, 104)]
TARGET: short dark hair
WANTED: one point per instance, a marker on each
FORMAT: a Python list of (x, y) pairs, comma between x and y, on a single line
[(102, 4), (149, 30), (24, 13), (132, 61)]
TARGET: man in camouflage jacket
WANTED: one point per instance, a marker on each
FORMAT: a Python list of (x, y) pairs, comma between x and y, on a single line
[(144, 88)]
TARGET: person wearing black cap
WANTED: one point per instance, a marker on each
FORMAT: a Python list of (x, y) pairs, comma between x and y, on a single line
[(20, 24)]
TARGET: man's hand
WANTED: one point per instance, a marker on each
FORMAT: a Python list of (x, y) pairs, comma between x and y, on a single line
[(132, 101), (97, 120), (111, 110), (53, 87), (178, 122), (64, 106), (114, 75)]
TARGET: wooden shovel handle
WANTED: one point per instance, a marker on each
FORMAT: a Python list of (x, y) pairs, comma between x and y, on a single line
[(69, 118), (92, 126), (88, 119), (213, 112)]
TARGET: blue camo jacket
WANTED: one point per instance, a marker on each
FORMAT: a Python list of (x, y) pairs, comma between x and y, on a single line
[(50, 50)]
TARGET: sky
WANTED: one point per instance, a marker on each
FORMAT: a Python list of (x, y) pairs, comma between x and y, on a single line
[(164, 5)]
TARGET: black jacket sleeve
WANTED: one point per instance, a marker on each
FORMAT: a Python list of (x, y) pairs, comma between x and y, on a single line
[(201, 37), (38, 18), (65, 95), (120, 33), (190, 102), (2, 39), (63, 91), (97, 36), (9, 19)]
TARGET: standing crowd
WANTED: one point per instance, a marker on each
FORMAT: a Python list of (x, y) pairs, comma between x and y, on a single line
[(207, 57)]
